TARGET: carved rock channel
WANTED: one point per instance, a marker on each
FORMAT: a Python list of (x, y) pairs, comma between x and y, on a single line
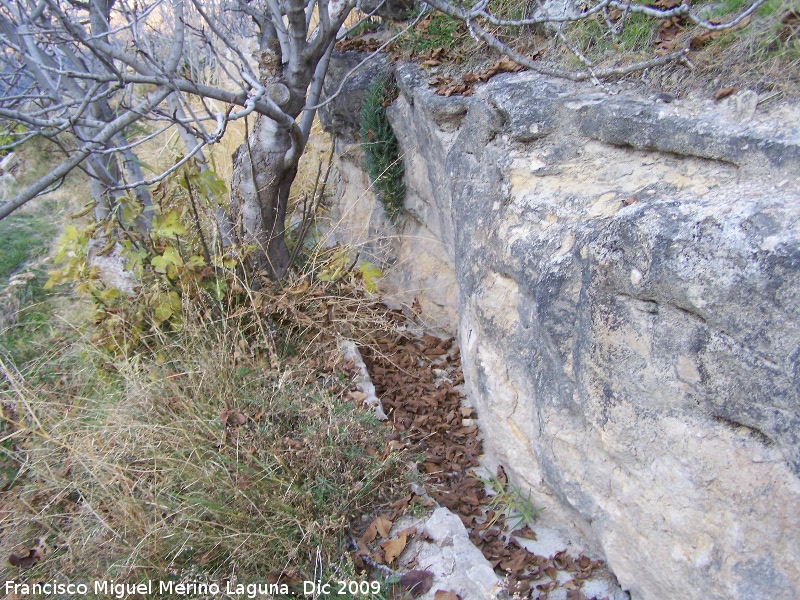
[(624, 279)]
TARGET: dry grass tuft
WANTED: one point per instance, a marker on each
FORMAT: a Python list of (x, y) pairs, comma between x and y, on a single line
[(206, 458)]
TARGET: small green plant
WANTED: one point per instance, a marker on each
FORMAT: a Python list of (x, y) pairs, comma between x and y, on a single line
[(508, 499), (9, 133), (174, 263), (382, 159), (339, 265)]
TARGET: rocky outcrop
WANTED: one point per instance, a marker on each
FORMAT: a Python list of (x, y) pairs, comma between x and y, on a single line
[(417, 260), (627, 275)]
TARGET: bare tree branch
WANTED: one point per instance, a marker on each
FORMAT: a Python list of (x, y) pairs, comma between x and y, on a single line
[(62, 170)]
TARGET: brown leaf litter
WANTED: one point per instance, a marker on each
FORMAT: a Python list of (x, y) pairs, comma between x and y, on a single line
[(448, 86), (418, 380)]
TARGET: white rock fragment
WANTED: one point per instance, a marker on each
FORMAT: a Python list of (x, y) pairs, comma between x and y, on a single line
[(349, 352), (453, 559), (746, 103), (111, 267)]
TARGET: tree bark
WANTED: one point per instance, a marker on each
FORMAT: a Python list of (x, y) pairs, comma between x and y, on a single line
[(260, 187), (262, 174)]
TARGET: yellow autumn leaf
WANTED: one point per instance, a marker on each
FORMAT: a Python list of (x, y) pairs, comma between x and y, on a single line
[(369, 274)]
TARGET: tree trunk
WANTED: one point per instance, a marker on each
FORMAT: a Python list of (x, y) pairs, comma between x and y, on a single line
[(260, 187)]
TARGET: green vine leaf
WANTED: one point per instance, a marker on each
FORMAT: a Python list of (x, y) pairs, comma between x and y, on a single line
[(168, 225), (214, 184), (369, 274), (168, 262), (167, 305), (195, 262)]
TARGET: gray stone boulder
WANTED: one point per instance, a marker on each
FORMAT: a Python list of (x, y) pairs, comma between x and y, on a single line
[(348, 80), (448, 553), (627, 276), (393, 10)]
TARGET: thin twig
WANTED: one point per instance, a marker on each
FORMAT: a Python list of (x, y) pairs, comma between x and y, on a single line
[(197, 219)]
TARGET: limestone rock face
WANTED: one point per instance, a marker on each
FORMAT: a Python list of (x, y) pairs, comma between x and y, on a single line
[(628, 284), (416, 256)]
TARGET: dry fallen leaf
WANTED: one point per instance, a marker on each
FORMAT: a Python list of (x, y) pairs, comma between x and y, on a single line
[(791, 17), (570, 585), (380, 526), (547, 587), (403, 502), (416, 582), (791, 26), (501, 476), (409, 532), (446, 595), (723, 93), (230, 417), (29, 556), (700, 41), (393, 548), (357, 396), (301, 287), (667, 36), (383, 525)]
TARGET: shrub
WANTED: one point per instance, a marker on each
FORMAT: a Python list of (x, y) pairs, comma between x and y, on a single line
[(382, 159)]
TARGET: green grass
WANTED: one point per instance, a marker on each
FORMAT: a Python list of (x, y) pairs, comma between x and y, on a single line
[(731, 7), (637, 33), (753, 49), (22, 238), (27, 331), (593, 38), (369, 25), (437, 31), (512, 9), (27, 310), (756, 50)]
